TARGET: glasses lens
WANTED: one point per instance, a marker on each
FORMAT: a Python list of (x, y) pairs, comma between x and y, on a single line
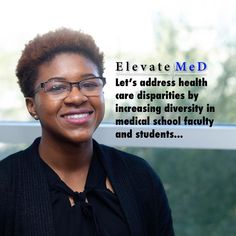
[(91, 87), (56, 87)]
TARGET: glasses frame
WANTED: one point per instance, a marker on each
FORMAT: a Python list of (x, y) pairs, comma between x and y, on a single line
[(41, 86)]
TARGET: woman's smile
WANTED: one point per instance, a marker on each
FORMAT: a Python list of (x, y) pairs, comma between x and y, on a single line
[(78, 117)]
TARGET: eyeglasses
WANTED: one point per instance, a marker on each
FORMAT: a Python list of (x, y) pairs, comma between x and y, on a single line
[(60, 89)]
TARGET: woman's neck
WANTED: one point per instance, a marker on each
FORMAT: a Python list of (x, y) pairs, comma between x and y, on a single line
[(66, 157)]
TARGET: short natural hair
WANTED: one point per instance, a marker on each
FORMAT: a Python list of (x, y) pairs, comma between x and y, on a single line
[(44, 48)]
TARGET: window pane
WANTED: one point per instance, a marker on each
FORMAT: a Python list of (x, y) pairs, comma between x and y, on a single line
[(179, 31), (200, 185)]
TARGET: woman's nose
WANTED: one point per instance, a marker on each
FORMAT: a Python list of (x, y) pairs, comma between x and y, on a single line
[(75, 96)]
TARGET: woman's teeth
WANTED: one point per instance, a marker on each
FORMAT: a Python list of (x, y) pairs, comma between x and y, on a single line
[(77, 116)]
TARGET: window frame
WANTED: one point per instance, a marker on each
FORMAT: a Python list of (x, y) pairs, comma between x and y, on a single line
[(198, 137)]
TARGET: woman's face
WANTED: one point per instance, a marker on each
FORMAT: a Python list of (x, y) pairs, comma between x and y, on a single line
[(75, 117)]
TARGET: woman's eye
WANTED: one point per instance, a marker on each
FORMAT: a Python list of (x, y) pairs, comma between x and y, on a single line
[(90, 85), (57, 88)]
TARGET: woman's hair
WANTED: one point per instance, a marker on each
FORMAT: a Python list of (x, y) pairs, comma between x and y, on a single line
[(43, 48)]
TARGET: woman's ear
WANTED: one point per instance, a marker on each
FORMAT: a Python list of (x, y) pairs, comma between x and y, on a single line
[(30, 104)]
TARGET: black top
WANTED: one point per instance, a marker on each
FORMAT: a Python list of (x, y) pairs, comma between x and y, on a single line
[(26, 206), (96, 210)]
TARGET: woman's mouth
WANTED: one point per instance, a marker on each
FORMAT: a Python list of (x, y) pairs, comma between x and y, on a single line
[(78, 118)]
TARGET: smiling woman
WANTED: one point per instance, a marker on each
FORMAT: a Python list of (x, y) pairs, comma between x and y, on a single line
[(66, 183), (67, 114)]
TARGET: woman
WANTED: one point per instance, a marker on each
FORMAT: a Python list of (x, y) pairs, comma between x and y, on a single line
[(66, 183)]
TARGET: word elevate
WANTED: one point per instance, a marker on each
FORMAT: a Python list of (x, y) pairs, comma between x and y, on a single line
[(159, 67)]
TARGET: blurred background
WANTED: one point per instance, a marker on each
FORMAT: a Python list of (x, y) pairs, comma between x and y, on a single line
[(200, 183)]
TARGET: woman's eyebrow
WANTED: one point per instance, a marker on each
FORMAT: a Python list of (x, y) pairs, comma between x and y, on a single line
[(57, 78), (88, 75)]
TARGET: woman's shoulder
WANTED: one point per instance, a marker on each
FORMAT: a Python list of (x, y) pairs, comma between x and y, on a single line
[(7, 171), (134, 165), (120, 155), (17, 158), (9, 164), (9, 160)]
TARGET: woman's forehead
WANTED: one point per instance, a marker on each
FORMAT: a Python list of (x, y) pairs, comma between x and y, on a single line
[(67, 65)]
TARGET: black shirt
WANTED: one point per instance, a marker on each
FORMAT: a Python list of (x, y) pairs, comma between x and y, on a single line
[(96, 210)]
